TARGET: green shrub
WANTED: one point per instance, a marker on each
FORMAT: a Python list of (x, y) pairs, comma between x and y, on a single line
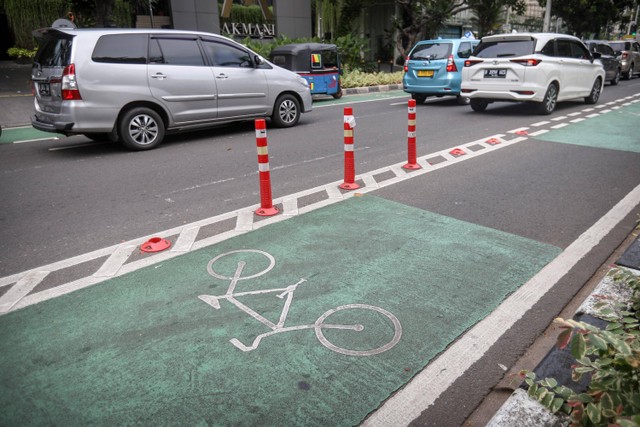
[(20, 53), (610, 356), (358, 78)]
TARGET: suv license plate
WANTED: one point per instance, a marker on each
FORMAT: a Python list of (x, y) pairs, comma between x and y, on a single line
[(44, 89), (500, 73), (425, 73)]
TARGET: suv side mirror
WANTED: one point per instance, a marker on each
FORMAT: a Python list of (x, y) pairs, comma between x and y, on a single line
[(257, 61), (596, 55)]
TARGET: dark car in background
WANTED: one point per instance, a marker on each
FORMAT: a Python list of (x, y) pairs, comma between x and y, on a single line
[(628, 51), (608, 58)]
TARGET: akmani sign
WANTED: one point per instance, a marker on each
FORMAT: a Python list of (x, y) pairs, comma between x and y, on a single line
[(262, 30)]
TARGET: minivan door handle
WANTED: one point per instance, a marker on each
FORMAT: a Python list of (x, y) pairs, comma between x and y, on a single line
[(159, 76), (222, 76)]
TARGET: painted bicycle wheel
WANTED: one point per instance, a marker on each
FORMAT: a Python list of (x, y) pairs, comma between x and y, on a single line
[(322, 324)]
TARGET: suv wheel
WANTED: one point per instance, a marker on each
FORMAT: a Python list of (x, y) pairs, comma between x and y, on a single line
[(478, 105), (419, 98), (616, 78), (286, 111), (141, 129), (627, 75), (595, 92), (548, 104)]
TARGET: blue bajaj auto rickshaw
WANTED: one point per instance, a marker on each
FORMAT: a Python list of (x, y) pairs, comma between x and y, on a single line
[(318, 63)]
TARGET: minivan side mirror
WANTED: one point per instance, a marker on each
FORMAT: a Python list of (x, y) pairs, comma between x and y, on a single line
[(257, 61), (596, 55)]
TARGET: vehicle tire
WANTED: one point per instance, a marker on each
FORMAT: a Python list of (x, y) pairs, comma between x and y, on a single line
[(627, 75), (419, 98), (616, 78), (338, 94), (478, 105), (548, 104), (286, 111), (140, 129), (595, 92), (462, 100), (98, 136)]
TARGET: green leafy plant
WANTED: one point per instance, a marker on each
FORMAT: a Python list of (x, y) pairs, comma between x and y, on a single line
[(21, 54), (358, 78), (610, 356)]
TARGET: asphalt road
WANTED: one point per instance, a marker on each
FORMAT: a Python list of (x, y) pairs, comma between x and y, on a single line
[(67, 197)]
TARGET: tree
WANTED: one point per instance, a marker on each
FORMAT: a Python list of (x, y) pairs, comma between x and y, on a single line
[(587, 17), (488, 13)]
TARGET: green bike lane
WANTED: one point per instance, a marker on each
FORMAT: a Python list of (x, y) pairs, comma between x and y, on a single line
[(151, 347)]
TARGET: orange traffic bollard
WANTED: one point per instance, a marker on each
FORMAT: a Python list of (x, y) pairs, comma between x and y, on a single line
[(266, 202), (412, 161), (349, 162)]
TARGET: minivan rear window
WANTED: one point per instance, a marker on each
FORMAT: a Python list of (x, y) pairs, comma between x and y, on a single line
[(54, 50), (121, 49), (505, 49), (431, 51), (620, 46)]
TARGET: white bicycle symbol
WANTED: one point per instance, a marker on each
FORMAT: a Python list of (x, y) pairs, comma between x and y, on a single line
[(276, 328)]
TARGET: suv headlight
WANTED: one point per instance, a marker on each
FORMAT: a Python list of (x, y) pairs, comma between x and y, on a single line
[(303, 82)]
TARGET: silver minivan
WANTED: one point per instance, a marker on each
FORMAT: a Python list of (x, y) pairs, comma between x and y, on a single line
[(134, 85)]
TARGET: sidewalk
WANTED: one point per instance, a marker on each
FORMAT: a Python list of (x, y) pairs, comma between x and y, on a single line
[(16, 101)]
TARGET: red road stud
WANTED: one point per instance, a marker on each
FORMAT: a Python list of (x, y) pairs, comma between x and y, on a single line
[(266, 202), (155, 244), (349, 161), (522, 133), (493, 141), (457, 152), (412, 162)]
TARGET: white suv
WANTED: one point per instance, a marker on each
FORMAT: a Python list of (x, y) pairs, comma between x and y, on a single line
[(539, 67)]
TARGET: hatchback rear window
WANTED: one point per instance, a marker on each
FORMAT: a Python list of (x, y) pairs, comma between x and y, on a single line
[(431, 51), (620, 46), (54, 50), (505, 49)]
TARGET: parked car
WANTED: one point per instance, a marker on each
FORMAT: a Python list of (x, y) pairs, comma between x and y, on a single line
[(133, 85), (608, 58), (544, 68), (433, 68), (629, 53)]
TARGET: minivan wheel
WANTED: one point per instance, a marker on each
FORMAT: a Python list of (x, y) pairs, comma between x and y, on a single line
[(478, 105), (548, 104), (141, 129), (627, 75), (419, 98), (595, 92), (286, 111)]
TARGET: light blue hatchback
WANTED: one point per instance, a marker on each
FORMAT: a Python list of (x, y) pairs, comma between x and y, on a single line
[(434, 68)]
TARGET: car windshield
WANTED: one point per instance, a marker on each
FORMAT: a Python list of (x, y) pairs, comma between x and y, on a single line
[(504, 48), (431, 51)]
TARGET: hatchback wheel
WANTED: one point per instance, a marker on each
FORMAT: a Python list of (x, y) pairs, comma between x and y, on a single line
[(627, 75), (286, 111), (419, 98), (616, 78), (141, 129), (595, 92), (478, 105), (548, 104)]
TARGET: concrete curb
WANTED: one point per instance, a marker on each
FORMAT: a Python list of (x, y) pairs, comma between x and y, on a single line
[(522, 410), (371, 89)]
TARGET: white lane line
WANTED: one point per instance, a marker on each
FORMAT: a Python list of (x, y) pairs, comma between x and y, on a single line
[(546, 122), (540, 132), (21, 289), (422, 391)]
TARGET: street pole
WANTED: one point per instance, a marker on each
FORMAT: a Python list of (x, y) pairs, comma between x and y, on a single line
[(547, 17)]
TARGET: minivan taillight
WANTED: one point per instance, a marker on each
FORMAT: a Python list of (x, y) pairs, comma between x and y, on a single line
[(69, 84), (406, 64), (451, 65), (530, 62), (625, 55)]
